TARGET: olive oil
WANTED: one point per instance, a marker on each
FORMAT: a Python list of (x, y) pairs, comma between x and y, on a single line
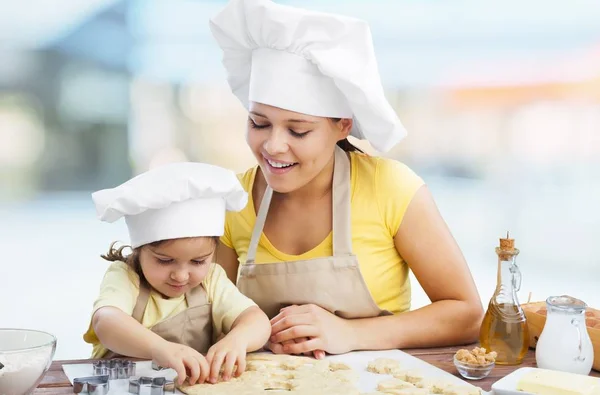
[(504, 327)]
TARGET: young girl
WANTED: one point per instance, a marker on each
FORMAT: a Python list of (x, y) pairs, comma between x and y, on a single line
[(166, 300)]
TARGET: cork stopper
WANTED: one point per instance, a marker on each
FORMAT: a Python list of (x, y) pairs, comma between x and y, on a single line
[(507, 249), (507, 244)]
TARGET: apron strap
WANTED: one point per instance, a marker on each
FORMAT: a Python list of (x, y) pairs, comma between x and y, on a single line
[(141, 302), (259, 225), (341, 227)]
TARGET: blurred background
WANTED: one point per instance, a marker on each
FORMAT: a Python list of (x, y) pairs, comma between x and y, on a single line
[(501, 101)]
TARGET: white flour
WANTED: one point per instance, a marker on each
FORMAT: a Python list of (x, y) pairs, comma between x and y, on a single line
[(21, 371)]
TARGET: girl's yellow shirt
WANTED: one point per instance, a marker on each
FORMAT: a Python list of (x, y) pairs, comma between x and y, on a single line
[(381, 190)]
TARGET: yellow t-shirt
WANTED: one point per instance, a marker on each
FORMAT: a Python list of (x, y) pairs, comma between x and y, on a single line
[(120, 288), (381, 190)]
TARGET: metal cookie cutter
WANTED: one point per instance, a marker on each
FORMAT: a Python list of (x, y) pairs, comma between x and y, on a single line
[(158, 385), (114, 368), (156, 366), (96, 385)]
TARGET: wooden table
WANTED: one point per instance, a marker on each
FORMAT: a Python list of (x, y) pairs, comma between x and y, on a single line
[(55, 381)]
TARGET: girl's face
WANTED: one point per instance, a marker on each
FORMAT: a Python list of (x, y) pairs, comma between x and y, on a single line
[(177, 266), (291, 148)]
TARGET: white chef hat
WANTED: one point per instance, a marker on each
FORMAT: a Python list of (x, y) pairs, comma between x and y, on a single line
[(308, 62), (173, 201)]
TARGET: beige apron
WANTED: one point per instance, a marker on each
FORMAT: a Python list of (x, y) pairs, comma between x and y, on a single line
[(334, 283), (191, 327)]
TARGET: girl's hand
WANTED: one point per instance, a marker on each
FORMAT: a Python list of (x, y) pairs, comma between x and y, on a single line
[(227, 353), (187, 362), (315, 328)]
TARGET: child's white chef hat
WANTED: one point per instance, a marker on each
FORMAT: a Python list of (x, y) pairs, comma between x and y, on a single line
[(173, 201), (312, 63)]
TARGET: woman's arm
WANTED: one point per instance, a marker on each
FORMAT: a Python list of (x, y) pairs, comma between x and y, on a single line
[(228, 259), (455, 314)]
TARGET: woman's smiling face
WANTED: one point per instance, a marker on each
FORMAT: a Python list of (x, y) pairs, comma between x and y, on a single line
[(291, 148)]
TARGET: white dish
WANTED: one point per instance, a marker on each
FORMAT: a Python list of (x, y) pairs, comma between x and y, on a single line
[(358, 360), (508, 384)]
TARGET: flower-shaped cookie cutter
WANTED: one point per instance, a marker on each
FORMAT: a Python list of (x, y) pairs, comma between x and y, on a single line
[(158, 385), (95, 385), (114, 368)]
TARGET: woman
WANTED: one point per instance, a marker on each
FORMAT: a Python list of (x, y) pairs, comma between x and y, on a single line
[(326, 242)]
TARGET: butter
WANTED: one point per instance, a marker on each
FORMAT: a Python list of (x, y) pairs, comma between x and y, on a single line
[(551, 382)]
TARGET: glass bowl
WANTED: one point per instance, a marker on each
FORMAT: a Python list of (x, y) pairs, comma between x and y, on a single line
[(25, 356), (473, 372)]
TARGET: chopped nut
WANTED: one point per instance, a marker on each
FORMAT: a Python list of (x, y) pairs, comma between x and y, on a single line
[(491, 357), (477, 357), (478, 351)]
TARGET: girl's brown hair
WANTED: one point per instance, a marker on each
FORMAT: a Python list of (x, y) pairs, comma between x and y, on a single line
[(345, 144), (133, 259)]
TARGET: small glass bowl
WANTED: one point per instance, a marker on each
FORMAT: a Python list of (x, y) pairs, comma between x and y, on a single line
[(473, 372), (26, 355)]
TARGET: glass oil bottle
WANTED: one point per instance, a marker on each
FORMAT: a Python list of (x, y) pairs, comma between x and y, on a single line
[(504, 328)]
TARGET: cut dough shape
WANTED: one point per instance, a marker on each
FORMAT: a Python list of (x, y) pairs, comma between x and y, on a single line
[(412, 376), (407, 391), (384, 366), (333, 366), (462, 390), (261, 365), (349, 376), (393, 384), (434, 386)]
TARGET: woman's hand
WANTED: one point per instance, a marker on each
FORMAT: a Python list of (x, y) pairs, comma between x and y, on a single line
[(227, 353), (186, 361), (317, 329), (277, 348)]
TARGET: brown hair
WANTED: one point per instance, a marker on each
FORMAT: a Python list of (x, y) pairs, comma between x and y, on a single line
[(133, 259), (345, 144)]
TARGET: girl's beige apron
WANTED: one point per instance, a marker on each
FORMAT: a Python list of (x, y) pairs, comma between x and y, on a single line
[(191, 327), (334, 283)]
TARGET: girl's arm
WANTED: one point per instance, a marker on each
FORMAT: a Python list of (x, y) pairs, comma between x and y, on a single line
[(253, 327), (122, 334), (249, 332)]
